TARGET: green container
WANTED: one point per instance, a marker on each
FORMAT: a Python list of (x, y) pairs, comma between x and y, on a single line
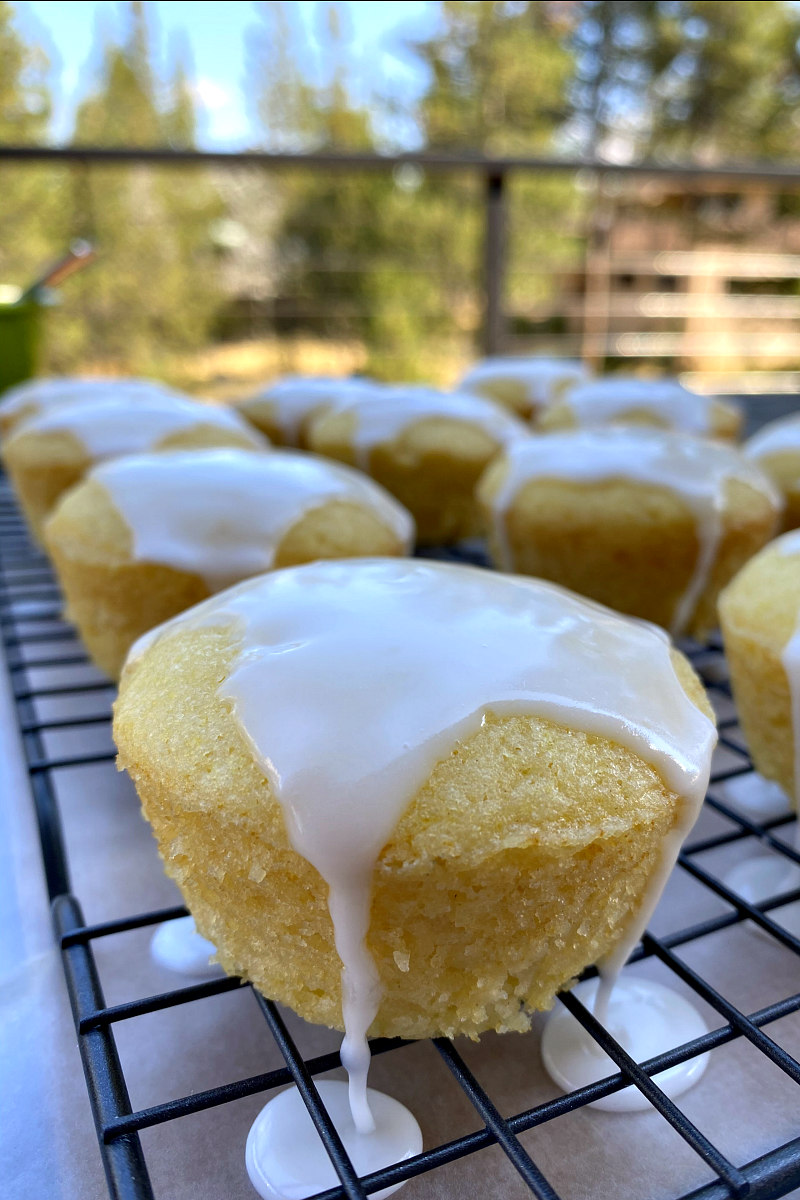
[(20, 329)]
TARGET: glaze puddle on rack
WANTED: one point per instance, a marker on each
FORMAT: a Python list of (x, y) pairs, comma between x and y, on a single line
[(178, 946), (285, 1156), (646, 1018)]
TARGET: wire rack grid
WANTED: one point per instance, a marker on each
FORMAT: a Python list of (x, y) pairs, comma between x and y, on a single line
[(35, 637)]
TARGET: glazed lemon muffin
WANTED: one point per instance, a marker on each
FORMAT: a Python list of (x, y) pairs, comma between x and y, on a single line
[(348, 811), (526, 386), (36, 396), (651, 523), (146, 536), (663, 403), (776, 449), (51, 452), (284, 410), (759, 615), (427, 448)]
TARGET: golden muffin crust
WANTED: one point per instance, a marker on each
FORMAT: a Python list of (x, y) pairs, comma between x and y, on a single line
[(629, 545), (758, 615), (431, 466), (783, 468), (114, 598), (9, 420), (263, 415), (513, 867), (43, 465), (725, 420)]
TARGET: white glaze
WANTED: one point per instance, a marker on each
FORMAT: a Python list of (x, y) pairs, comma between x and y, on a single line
[(601, 401), (222, 514), (542, 379), (178, 946), (760, 878), (756, 797), (380, 417), (695, 470), (350, 685), (294, 399), (787, 544), (113, 426), (776, 437), (50, 392), (646, 1018), (286, 1159)]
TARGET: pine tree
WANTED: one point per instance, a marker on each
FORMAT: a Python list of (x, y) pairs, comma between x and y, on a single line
[(154, 287), (348, 241), (690, 79), (32, 225), (499, 79)]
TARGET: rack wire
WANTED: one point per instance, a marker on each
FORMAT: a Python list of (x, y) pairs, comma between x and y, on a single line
[(30, 617)]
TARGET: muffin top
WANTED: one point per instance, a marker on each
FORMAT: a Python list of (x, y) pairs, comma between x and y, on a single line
[(380, 417), (692, 467), (764, 598), (776, 437), (603, 401), (536, 376), (222, 513), (114, 425), (349, 682), (295, 397), (34, 396)]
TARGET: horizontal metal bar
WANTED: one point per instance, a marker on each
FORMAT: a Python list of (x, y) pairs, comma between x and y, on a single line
[(64, 633), (44, 693), (46, 614), (50, 663), (38, 765), (212, 1097), (65, 723), (86, 933), (157, 1003), (427, 160)]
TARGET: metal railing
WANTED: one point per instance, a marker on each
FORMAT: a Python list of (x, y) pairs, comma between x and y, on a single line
[(494, 172)]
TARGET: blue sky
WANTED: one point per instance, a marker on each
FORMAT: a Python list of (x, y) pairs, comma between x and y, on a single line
[(71, 30)]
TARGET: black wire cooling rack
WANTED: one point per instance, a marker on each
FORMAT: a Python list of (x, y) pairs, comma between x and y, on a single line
[(30, 617)]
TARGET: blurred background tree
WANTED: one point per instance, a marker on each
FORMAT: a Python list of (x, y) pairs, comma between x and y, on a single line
[(154, 285), (32, 204)]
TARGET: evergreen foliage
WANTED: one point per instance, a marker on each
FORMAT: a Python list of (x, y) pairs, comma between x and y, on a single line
[(393, 260)]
